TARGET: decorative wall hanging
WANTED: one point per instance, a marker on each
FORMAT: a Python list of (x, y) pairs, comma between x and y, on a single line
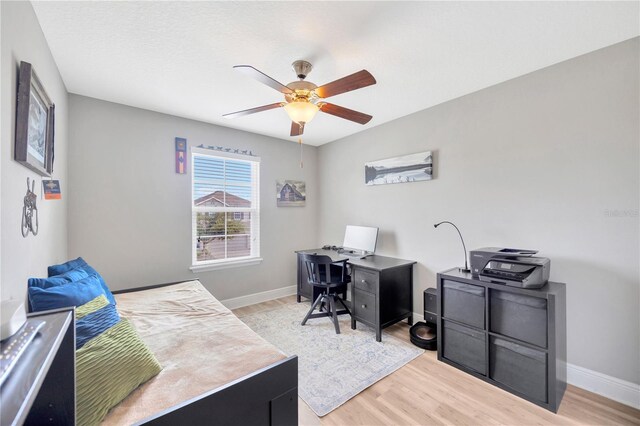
[(229, 150), (51, 189), (30, 210), (291, 193), (34, 123), (407, 168), (181, 156)]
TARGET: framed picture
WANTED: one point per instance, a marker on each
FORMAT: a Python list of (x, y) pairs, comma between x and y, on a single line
[(291, 193), (34, 123), (407, 168)]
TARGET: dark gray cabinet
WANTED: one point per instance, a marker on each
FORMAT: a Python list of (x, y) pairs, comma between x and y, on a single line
[(511, 337), (41, 387)]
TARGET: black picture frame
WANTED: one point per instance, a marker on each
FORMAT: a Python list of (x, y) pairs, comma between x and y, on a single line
[(35, 123)]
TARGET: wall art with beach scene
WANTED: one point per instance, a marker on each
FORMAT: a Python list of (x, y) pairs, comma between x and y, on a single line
[(406, 168)]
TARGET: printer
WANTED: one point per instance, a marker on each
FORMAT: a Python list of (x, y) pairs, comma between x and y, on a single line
[(512, 267)]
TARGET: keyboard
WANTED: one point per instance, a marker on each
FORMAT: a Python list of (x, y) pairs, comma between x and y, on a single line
[(350, 253)]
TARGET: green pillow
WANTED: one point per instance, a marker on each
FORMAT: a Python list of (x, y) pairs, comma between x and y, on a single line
[(108, 368), (91, 306)]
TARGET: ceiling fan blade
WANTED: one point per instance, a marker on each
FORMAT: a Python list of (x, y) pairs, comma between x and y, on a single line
[(263, 78), (346, 84), (253, 110), (296, 129), (346, 113)]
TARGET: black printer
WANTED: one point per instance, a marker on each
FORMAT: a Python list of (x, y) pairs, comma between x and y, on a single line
[(512, 267)]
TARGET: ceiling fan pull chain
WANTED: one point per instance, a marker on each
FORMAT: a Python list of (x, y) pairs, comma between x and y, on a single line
[(300, 142)]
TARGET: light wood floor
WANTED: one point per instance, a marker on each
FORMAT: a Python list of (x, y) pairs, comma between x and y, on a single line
[(428, 392)]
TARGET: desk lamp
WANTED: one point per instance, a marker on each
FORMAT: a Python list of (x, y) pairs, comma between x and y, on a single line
[(466, 266)]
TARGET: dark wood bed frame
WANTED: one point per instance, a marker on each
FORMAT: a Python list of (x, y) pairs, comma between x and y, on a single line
[(268, 396)]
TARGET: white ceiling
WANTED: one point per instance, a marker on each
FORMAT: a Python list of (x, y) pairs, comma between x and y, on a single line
[(177, 57)]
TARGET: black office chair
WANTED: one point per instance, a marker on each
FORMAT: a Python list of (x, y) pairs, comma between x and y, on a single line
[(331, 279)]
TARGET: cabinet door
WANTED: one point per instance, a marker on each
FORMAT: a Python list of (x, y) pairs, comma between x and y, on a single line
[(465, 346), (463, 303), (519, 316), (521, 368)]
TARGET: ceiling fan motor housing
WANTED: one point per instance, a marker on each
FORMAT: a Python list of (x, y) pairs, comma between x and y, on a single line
[(303, 91), (302, 68)]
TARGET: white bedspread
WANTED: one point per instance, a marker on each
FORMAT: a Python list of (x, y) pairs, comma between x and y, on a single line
[(198, 341)]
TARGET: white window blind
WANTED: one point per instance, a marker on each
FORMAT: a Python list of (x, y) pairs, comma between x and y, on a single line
[(225, 208)]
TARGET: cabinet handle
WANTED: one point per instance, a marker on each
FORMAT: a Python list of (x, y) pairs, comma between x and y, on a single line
[(364, 306), (364, 281)]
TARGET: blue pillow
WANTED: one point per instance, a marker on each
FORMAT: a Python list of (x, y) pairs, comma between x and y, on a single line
[(64, 267), (80, 263), (95, 323), (70, 276), (62, 296)]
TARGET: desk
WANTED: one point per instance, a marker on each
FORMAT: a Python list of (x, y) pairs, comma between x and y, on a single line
[(381, 288)]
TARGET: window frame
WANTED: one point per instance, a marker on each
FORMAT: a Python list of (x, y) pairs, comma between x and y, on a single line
[(254, 210)]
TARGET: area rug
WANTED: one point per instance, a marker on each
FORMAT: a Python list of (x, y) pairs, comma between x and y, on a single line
[(332, 368)]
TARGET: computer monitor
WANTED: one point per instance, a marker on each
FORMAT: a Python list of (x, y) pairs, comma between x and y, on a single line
[(363, 238)]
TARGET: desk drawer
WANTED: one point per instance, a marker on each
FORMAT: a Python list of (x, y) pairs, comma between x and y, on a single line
[(366, 280), (364, 306)]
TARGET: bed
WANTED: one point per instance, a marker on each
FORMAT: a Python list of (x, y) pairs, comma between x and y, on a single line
[(216, 370)]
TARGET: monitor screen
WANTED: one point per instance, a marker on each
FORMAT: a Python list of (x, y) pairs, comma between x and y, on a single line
[(360, 238)]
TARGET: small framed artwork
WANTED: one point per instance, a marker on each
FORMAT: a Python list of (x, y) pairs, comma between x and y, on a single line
[(291, 193), (34, 123)]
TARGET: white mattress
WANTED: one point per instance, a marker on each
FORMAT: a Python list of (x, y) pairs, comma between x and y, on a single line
[(200, 344)]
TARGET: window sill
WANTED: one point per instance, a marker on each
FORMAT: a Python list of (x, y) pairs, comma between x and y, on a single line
[(225, 264)]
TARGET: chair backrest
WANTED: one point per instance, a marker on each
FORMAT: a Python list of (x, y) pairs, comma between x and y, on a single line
[(319, 270)]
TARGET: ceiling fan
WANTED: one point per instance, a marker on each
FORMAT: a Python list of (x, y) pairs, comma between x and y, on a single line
[(304, 99)]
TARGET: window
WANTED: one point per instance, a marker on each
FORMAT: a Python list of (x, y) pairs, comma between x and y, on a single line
[(225, 209)]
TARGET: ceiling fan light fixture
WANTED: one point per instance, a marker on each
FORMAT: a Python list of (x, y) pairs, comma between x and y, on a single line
[(301, 111)]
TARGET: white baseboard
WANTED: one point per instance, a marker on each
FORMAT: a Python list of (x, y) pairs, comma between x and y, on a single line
[(252, 299), (619, 390), (610, 387)]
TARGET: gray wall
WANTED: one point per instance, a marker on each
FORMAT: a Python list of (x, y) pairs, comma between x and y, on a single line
[(129, 212), (21, 258), (548, 161)]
